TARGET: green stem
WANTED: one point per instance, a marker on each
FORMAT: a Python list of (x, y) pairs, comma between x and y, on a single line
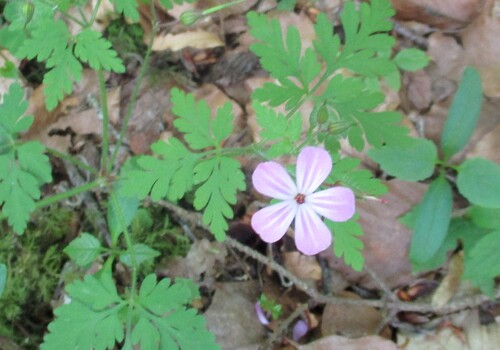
[(94, 12), (73, 160), (70, 193), (67, 15), (316, 86), (105, 123), (135, 92)]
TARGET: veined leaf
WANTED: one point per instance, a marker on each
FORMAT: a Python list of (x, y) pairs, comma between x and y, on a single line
[(463, 114), (432, 221), (479, 181), (84, 249), (91, 47), (346, 242)]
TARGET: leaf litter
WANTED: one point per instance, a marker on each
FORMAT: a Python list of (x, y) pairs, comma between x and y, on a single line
[(461, 33)]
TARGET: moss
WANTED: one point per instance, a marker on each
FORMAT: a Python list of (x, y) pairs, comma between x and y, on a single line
[(34, 261)]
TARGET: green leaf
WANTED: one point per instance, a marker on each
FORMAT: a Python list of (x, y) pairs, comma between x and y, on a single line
[(195, 123), (121, 211), (411, 59), (169, 176), (92, 319), (50, 37), (181, 328), (409, 160), (360, 181), (346, 242), (463, 114), (12, 109), (478, 180), (59, 80), (326, 44), (142, 253), (276, 127), (483, 262), (3, 278), (84, 250), (169, 4), (92, 48), (485, 217), (128, 8), (219, 178), (432, 221)]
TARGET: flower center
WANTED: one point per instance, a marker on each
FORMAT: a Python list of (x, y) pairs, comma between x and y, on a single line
[(300, 198)]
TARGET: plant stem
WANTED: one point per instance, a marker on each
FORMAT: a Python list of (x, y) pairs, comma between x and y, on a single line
[(105, 123), (72, 160), (135, 92), (70, 193), (94, 12)]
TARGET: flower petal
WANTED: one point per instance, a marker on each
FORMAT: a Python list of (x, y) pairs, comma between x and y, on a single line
[(271, 179), (336, 203), (311, 234), (272, 222), (313, 166)]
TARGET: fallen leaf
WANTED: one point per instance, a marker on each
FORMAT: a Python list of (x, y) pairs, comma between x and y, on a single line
[(386, 240), (350, 320), (302, 266), (231, 316), (176, 42)]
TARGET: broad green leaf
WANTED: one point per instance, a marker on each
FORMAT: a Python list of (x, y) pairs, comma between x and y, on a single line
[(165, 323), (478, 180), (92, 319), (346, 242), (121, 211), (485, 217), (84, 249), (483, 263), (463, 114), (195, 123), (360, 181), (220, 179), (410, 159), (276, 128), (3, 278), (170, 175), (411, 59), (50, 37), (95, 50), (432, 221), (59, 80), (142, 253)]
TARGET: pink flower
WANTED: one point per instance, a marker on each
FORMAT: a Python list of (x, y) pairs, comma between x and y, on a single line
[(299, 201)]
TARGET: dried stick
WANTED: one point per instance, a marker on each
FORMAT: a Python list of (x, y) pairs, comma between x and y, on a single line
[(392, 305)]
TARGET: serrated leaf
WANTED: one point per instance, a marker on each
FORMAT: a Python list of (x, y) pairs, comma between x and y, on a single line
[(410, 159), (463, 114), (91, 320), (84, 249), (278, 129), (360, 181), (411, 59), (3, 278), (12, 109), (128, 8), (479, 181), (50, 37), (326, 44), (165, 323), (169, 176), (346, 242), (24, 169), (432, 221), (142, 253), (92, 48), (59, 80), (195, 123), (220, 178), (482, 265)]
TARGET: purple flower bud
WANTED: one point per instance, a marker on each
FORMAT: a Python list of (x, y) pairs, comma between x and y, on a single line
[(299, 330), (260, 314)]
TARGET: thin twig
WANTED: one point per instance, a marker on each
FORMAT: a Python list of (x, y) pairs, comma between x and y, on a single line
[(391, 305)]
